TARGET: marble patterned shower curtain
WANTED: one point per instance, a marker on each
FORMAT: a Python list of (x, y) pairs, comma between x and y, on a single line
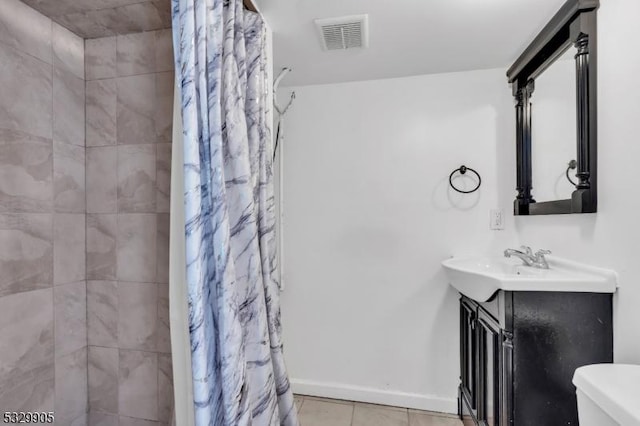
[(239, 376)]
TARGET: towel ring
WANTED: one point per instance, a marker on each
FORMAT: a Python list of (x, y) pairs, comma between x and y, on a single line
[(462, 170)]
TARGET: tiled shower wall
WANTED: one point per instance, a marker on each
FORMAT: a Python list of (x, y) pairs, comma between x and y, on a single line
[(129, 102), (43, 335)]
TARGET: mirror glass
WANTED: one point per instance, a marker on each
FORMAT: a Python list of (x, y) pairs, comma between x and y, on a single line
[(553, 130)]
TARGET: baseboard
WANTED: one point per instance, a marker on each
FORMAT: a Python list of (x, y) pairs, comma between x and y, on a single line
[(375, 396)]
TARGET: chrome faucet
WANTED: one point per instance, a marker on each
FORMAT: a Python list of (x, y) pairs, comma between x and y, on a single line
[(525, 254)]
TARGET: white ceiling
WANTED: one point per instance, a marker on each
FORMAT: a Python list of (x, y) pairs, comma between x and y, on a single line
[(407, 37)]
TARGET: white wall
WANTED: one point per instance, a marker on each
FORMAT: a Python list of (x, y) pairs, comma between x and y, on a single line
[(367, 312), (369, 216)]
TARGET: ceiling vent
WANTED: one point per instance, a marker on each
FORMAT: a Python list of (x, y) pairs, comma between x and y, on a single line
[(345, 32)]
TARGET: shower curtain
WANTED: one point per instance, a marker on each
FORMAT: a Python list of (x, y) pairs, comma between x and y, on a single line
[(239, 376)]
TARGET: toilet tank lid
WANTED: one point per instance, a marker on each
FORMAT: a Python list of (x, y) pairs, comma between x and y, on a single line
[(615, 388)]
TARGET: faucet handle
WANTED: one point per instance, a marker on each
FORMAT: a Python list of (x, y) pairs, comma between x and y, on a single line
[(527, 250), (540, 260)]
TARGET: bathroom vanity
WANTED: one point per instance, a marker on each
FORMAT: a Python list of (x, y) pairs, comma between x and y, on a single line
[(519, 350), (523, 333)]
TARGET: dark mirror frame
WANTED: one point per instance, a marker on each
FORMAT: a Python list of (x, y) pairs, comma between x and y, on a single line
[(574, 24)]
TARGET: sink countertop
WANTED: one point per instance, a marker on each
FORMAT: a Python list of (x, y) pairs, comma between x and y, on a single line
[(480, 277)]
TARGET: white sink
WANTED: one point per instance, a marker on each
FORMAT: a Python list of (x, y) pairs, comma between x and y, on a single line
[(480, 277)]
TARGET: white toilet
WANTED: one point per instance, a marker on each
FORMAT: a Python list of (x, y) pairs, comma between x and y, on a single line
[(608, 394)]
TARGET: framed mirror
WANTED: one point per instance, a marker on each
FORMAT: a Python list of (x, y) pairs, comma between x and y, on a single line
[(554, 85)]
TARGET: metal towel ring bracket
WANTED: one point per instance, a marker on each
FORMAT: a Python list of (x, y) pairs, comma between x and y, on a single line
[(462, 170), (573, 164)]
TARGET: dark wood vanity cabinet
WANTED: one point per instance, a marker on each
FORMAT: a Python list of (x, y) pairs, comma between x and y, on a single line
[(518, 352)]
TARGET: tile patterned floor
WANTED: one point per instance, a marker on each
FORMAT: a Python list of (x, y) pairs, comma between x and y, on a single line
[(313, 411)]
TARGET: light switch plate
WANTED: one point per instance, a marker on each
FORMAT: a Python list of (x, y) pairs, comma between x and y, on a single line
[(496, 219)]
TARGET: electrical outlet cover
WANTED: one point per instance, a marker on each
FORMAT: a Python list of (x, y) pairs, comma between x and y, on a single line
[(496, 219)]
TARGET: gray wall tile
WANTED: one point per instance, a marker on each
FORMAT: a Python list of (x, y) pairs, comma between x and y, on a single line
[(137, 315), (137, 247), (81, 420), (26, 165), (27, 373), (70, 307), (26, 252), (27, 88), (136, 109), (146, 16), (165, 85), (163, 177), (138, 384), (162, 252), (25, 29), (137, 178), (68, 51), (104, 4), (112, 20), (165, 388), (71, 392), (31, 391), (101, 106), (163, 330), (164, 11), (69, 253), (144, 111), (136, 54), (164, 51), (100, 18), (90, 24), (102, 313), (139, 16), (68, 178), (102, 180), (101, 419), (100, 58), (102, 230), (130, 421), (103, 379), (55, 8), (68, 107)]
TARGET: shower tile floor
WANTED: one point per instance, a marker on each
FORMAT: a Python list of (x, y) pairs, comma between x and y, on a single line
[(313, 411)]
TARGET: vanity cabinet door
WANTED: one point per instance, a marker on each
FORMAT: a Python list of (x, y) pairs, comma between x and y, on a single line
[(489, 371), (468, 352)]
